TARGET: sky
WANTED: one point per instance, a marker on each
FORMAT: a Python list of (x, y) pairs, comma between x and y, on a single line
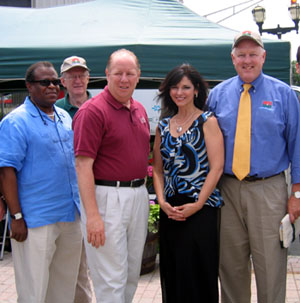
[(276, 13)]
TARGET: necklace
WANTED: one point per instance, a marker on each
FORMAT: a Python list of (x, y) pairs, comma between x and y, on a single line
[(180, 125)]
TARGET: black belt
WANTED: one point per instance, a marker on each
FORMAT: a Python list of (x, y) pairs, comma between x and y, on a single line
[(132, 183), (252, 178)]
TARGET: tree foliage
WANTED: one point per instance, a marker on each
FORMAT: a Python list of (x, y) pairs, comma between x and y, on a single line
[(295, 76)]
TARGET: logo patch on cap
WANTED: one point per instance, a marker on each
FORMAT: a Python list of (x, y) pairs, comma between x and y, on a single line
[(72, 62), (75, 61), (249, 35)]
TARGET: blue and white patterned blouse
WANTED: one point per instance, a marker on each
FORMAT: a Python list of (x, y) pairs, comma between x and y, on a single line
[(185, 161)]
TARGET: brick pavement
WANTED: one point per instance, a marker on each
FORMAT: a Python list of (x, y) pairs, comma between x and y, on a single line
[(148, 290)]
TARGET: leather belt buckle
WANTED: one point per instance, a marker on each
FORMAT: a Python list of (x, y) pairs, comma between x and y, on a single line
[(132, 183), (252, 179), (136, 182)]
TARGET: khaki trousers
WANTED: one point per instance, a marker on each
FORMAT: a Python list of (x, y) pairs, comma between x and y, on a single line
[(250, 222), (46, 264)]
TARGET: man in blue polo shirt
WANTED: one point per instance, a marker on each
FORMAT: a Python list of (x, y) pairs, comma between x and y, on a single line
[(38, 179)]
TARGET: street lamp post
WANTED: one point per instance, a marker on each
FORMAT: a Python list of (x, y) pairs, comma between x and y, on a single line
[(259, 17)]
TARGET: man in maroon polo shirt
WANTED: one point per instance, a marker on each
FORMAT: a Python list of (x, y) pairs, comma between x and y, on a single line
[(111, 143)]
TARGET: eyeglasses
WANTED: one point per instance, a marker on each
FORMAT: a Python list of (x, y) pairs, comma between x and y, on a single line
[(47, 82), (73, 77)]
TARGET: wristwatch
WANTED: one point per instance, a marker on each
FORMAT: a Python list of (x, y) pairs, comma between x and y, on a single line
[(296, 194), (19, 216)]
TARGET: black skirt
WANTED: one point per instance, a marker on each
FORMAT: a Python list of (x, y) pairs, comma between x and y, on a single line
[(189, 255)]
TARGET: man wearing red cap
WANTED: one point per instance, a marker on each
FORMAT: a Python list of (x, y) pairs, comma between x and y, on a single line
[(75, 78)]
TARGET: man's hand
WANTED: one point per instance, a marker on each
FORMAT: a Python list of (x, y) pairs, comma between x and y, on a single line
[(18, 230), (293, 208), (95, 230), (86, 183), (2, 209)]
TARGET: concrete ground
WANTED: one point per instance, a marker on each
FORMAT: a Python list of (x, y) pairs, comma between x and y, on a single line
[(148, 290)]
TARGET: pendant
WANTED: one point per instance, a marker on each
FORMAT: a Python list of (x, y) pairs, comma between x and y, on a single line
[(179, 129)]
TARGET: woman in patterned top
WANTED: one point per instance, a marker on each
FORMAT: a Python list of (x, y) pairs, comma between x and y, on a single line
[(188, 162)]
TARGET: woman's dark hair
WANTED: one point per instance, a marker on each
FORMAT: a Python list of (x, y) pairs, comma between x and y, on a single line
[(168, 107), (29, 76), (298, 54)]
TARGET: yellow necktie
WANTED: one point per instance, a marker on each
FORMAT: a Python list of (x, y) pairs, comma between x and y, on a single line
[(242, 144)]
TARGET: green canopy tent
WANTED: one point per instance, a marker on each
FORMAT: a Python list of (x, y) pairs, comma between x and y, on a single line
[(162, 33)]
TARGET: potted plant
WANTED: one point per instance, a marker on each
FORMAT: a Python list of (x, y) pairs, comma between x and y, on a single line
[(151, 245), (153, 218), (149, 182)]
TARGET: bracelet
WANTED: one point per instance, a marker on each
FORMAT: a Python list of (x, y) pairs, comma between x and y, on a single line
[(2, 198)]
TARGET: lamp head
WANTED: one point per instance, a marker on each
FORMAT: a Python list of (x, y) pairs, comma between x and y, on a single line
[(259, 14), (294, 10)]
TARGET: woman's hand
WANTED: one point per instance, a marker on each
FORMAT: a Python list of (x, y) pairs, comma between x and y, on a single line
[(172, 212), (189, 209)]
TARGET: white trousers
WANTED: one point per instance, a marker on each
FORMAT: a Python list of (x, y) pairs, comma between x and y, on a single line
[(83, 292), (46, 264), (115, 267)]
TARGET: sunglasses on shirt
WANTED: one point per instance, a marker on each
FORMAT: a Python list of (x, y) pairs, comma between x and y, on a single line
[(47, 82)]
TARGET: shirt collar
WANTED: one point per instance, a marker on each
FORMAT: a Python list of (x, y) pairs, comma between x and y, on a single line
[(116, 104), (31, 108), (67, 103), (255, 84), (35, 112), (68, 106)]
